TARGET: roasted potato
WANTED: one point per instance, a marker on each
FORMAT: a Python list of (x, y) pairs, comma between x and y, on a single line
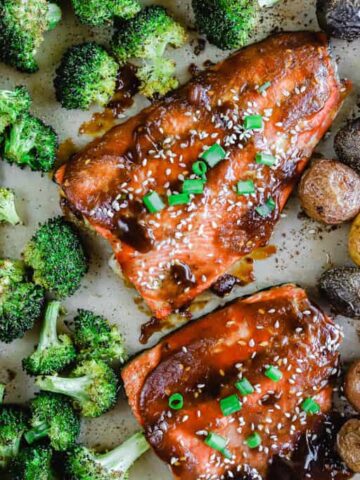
[(329, 192), (352, 385), (348, 444), (339, 18), (342, 288), (347, 145), (354, 241)]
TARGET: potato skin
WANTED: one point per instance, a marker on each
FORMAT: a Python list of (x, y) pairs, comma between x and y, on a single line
[(329, 192), (347, 145), (348, 444), (354, 241), (352, 385), (339, 18), (341, 286)]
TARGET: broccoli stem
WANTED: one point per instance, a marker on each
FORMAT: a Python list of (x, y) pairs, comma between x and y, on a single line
[(48, 334), (36, 433), (124, 456), (72, 387), (53, 16)]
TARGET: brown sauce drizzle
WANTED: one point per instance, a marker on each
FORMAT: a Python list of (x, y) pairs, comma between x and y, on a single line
[(130, 231), (127, 86), (315, 457), (183, 275), (65, 151)]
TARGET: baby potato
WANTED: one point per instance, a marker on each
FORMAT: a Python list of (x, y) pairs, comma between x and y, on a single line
[(329, 192), (354, 241)]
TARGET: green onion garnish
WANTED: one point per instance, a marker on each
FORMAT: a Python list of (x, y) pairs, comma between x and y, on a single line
[(244, 387), (217, 442), (178, 199), (310, 406), (267, 208), (193, 185), (230, 405), (245, 187), (264, 87), (176, 401), (253, 122), (200, 168), (213, 155), (265, 159), (273, 373), (253, 440), (153, 202)]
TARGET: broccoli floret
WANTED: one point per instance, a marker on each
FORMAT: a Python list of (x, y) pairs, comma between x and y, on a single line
[(57, 257), (53, 416), (22, 28), (33, 463), (21, 302), (99, 12), (8, 211), (145, 37), (87, 74), (226, 23), (13, 423), (29, 142), (84, 464), (12, 104), (97, 339), (92, 386), (53, 352)]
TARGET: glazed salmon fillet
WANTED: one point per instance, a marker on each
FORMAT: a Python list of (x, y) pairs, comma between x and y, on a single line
[(278, 330), (289, 84)]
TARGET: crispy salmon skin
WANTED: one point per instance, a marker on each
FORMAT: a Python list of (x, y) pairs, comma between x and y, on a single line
[(175, 254), (278, 328)]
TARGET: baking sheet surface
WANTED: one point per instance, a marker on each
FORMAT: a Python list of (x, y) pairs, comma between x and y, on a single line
[(304, 248)]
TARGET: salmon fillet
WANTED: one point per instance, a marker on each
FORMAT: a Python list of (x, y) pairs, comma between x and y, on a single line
[(174, 255), (203, 361)]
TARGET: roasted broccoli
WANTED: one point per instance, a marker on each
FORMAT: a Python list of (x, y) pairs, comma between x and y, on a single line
[(53, 416), (145, 38), (87, 74), (8, 211), (12, 104), (97, 339), (29, 142), (226, 23), (84, 464), (57, 257), (22, 28), (33, 463), (99, 12), (21, 302), (53, 352), (13, 423), (92, 386)]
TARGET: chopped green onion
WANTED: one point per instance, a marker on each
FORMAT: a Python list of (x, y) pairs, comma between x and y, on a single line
[(200, 168), (244, 387), (178, 199), (153, 202), (273, 373), (217, 442), (245, 187), (265, 159), (193, 185), (253, 122), (230, 404), (253, 440), (267, 208), (213, 155), (310, 406), (176, 401), (264, 87)]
